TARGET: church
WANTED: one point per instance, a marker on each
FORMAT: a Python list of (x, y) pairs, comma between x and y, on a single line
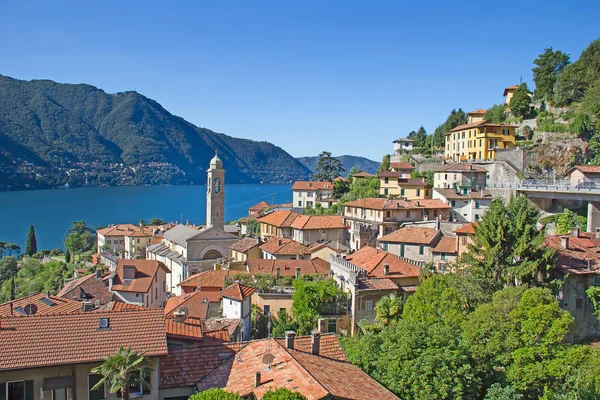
[(188, 250)]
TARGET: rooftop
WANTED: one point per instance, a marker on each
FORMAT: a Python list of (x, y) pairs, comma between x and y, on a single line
[(372, 260), (310, 185), (126, 230), (446, 245), (305, 222), (39, 304), (375, 203), (412, 235), (279, 218), (212, 279), (195, 303), (460, 167), (237, 291), (578, 253), (144, 272), (288, 267), (180, 234), (282, 247), (466, 229), (245, 244)]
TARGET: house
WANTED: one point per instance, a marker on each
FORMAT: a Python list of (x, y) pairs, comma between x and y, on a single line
[(140, 282), (403, 145), (404, 169), (200, 305), (282, 249), (244, 249), (92, 288), (51, 356), (393, 184), (584, 176), (109, 260), (368, 219), (308, 229), (258, 208), (460, 177), (310, 365), (39, 304), (467, 205), (126, 240), (464, 237), (445, 251), (414, 243), (510, 91), (237, 304), (290, 268), (277, 223), (307, 194), (207, 281), (478, 139), (578, 265), (361, 175)]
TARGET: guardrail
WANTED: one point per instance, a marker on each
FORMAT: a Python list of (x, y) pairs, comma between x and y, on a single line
[(584, 187)]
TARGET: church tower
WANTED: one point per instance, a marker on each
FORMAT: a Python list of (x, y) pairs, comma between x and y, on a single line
[(215, 194)]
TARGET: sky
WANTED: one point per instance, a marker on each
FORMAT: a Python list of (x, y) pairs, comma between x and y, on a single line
[(347, 77)]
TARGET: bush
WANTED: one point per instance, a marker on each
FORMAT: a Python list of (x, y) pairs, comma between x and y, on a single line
[(283, 394), (215, 394)]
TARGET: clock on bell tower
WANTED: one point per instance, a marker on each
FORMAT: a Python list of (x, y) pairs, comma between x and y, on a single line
[(215, 194)]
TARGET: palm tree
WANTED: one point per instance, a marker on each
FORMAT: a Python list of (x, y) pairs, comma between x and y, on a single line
[(124, 369), (388, 309)]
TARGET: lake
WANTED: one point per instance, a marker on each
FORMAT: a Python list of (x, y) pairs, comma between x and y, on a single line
[(52, 211)]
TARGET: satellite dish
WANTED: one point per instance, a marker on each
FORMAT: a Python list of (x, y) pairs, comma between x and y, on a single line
[(30, 309), (268, 358)]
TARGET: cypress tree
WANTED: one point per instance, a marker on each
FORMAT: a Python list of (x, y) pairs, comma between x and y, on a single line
[(68, 256), (31, 245)]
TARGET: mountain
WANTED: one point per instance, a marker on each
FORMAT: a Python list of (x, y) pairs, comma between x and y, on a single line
[(364, 164), (54, 134)]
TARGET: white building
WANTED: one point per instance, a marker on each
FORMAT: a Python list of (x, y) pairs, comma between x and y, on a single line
[(308, 194), (403, 145), (466, 205), (140, 282), (237, 304)]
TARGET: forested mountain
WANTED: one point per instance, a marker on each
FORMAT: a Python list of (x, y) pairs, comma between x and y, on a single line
[(364, 164), (54, 134)]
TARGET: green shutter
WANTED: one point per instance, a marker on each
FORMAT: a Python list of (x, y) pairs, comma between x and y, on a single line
[(29, 390), (2, 391)]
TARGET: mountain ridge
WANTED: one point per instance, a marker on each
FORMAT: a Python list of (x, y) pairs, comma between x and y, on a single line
[(55, 134), (348, 161)]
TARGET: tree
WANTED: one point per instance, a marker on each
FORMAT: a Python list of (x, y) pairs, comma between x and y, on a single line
[(496, 114), (456, 118), (2, 249), (327, 168), (363, 188), (549, 66), (67, 256), (520, 102), (215, 394), (156, 221), (340, 187), (308, 300), (31, 245), (499, 392), (123, 370), (12, 248), (419, 138), (568, 220), (385, 163), (282, 323), (252, 228), (142, 222), (353, 170), (283, 394), (8, 268), (581, 125), (578, 77), (80, 238), (388, 309)]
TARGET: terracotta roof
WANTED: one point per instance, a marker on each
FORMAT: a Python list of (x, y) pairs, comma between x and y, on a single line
[(249, 217), (206, 279), (446, 245), (513, 87), (191, 328), (279, 218), (374, 203), (403, 140), (478, 124), (372, 261), (45, 340), (588, 169), (305, 222), (288, 267), (401, 165), (86, 288), (145, 270), (477, 112), (263, 205), (245, 244), (119, 306), (194, 302), (376, 284), (362, 175), (581, 255), (282, 247), (237, 291), (125, 230), (473, 194), (42, 304), (306, 185), (467, 229), (460, 167), (412, 235)]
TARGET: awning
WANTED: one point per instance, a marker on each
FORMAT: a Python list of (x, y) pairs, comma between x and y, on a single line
[(59, 382)]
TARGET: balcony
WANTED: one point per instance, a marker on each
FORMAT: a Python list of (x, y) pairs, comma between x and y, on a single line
[(368, 316)]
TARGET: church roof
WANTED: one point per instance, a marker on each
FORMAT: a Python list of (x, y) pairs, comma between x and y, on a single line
[(180, 234)]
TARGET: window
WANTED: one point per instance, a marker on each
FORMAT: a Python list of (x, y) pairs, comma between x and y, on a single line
[(385, 191), (476, 218), (579, 302), (463, 240), (401, 192), (332, 326), (97, 394), (17, 390), (596, 281), (368, 305), (446, 176), (267, 309), (309, 204), (309, 194), (299, 203), (476, 203), (155, 293), (387, 180), (385, 246), (443, 256), (453, 203), (408, 214), (426, 192), (387, 214), (402, 248), (421, 249), (418, 192)]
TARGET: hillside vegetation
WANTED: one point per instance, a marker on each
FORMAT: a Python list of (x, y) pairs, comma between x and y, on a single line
[(54, 134), (362, 163)]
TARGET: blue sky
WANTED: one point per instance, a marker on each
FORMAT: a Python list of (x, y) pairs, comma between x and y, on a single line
[(344, 76)]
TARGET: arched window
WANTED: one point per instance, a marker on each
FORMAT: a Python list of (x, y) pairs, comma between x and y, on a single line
[(212, 255)]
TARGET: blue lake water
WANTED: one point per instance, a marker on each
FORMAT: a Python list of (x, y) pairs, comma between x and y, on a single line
[(52, 211)]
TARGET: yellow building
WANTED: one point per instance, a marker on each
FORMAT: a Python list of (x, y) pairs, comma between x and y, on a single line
[(478, 139), (509, 92), (393, 184)]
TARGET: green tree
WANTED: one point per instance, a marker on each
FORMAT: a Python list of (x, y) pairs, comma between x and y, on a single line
[(499, 392), (8, 269), (388, 309), (578, 77), (363, 188), (282, 323), (385, 163), (340, 188), (80, 238), (353, 170), (327, 168), (549, 66), (122, 370), (419, 138), (496, 114), (568, 220), (456, 118), (12, 248), (252, 228), (67, 256), (520, 103), (142, 222), (31, 245), (308, 299), (156, 221), (215, 394), (2, 249), (581, 125), (283, 394)]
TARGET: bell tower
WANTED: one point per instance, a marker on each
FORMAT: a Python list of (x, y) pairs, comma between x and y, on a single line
[(215, 194)]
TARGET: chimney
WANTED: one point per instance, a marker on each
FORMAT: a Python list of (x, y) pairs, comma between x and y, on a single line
[(315, 347), (564, 242), (179, 316), (277, 272), (257, 379), (597, 233), (386, 269), (297, 272), (576, 232), (48, 294), (279, 242), (438, 224), (289, 339)]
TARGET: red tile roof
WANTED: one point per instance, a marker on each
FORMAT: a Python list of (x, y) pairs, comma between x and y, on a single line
[(196, 303), (372, 261), (374, 203), (506, 90), (446, 245), (245, 244), (305, 222), (145, 271), (477, 112), (41, 304), (288, 267), (263, 205), (282, 247), (479, 124), (588, 169), (581, 255), (401, 165), (125, 230), (279, 218), (362, 175), (460, 167), (237, 291), (206, 279), (466, 229), (376, 284), (86, 288), (305, 185), (412, 235), (46, 340), (190, 328)]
